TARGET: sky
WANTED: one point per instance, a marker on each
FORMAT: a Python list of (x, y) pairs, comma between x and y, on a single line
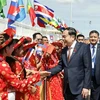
[(83, 15)]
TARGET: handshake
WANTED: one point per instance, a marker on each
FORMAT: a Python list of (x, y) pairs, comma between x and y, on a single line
[(43, 74)]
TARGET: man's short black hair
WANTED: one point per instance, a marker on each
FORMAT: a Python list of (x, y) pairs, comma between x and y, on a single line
[(34, 35), (94, 31), (71, 31), (80, 35), (44, 36)]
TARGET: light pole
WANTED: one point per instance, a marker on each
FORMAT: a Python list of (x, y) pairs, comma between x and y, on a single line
[(71, 13)]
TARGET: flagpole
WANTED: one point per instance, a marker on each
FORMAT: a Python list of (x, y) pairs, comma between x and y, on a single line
[(71, 13)]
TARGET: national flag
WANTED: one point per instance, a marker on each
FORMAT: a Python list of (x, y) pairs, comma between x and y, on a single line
[(28, 55), (31, 12), (2, 4), (63, 24), (58, 24), (40, 22), (21, 15), (13, 10), (10, 24), (54, 22), (12, 13), (46, 21), (43, 11)]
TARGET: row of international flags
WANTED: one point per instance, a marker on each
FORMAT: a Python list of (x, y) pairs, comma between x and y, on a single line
[(42, 13)]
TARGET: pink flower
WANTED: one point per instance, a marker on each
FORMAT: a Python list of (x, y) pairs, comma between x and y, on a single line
[(74, 50)]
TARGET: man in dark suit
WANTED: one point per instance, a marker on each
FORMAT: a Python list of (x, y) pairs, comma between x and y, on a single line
[(76, 62), (95, 55)]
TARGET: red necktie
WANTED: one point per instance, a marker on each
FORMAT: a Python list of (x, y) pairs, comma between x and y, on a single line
[(69, 54)]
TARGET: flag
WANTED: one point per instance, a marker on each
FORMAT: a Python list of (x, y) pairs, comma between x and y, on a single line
[(31, 12), (13, 10), (54, 22), (21, 15), (43, 11), (28, 55), (10, 24), (58, 24), (2, 4), (40, 22), (12, 13), (63, 24)]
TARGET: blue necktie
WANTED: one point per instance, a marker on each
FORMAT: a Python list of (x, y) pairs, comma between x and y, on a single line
[(93, 50), (93, 59)]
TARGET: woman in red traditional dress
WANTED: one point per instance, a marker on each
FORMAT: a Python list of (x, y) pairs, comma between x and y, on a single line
[(29, 63), (9, 82), (54, 84)]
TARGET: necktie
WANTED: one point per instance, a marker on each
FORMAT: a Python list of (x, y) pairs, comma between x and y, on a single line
[(93, 54), (93, 50), (93, 59), (69, 54)]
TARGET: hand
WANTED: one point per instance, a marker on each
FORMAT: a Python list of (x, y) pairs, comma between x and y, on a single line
[(30, 72), (61, 75), (33, 89), (44, 74), (85, 93)]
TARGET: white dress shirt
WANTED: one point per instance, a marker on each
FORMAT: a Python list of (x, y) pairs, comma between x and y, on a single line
[(72, 48), (93, 55)]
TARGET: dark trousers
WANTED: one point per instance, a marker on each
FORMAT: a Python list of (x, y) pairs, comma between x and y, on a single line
[(95, 90), (69, 96)]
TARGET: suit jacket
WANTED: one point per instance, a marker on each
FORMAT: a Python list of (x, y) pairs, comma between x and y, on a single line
[(77, 72), (97, 65)]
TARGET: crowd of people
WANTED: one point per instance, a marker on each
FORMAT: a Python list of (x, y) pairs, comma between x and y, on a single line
[(35, 69)]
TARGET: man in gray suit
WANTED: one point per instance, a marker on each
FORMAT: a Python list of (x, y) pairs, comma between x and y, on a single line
[(95, 55), (76, 62)]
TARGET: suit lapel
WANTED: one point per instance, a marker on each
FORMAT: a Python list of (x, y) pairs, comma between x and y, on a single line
[(98, 51), (76, 48), (97, 59), (65, 56)]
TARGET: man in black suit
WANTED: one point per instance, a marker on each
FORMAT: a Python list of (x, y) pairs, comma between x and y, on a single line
[(76, 62), (95, 55)]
